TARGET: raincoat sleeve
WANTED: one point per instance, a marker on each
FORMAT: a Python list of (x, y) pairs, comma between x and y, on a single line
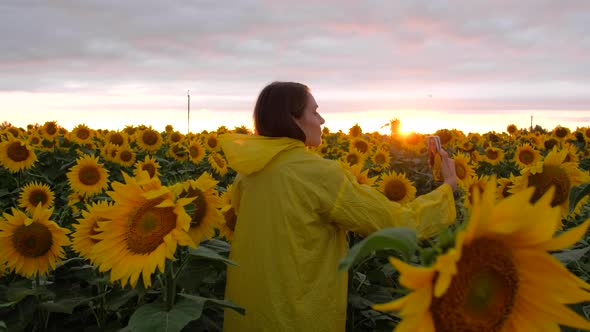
[(363, 209)]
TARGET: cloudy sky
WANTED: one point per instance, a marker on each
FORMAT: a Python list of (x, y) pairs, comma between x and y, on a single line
[(471, 65)]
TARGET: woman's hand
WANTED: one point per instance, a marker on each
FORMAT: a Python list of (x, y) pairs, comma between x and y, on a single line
[(448, 169)]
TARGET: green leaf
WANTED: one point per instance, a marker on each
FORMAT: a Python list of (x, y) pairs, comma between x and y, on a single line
[(577, 193), (65, 306), (153, 317), (571, 255), (401, 239), (224, 303), (207, 253)]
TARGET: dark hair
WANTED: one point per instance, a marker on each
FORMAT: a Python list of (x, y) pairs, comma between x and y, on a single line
[(278, 103)]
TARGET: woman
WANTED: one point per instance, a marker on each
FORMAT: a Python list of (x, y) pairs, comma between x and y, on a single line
[(294, 209)]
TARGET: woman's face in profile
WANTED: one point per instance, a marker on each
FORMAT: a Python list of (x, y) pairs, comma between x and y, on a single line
[(311, 122)]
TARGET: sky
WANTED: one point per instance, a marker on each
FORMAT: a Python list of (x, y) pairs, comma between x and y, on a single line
[(476, 66)]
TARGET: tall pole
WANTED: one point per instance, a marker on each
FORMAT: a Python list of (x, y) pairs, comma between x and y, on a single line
[(188, 119), (531, 123)]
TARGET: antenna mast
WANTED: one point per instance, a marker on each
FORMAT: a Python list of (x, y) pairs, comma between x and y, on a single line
[(531, 123), (188, 119)]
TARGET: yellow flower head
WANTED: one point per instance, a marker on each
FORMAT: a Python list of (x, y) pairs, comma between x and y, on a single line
[(83, 238), (16, 155), (149, 140), (203, 210), (526, 155), (218, 163), (36, 193), (82, 134), (552, 171), (499, 276), (397, 187), (88, 177), (30, 246), (142, 229), (148, 164), (462, 168)]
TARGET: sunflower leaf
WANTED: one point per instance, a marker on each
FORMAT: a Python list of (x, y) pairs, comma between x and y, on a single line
[(401, 239), (153, 317), (204, 252), (577, 193)]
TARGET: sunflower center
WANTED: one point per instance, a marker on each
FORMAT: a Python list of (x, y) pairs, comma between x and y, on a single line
[(32, 241), (17, 152), (38, 196), (89, 175), (526, 157), (117, 139), (561, 132), (194, 151), (361, 146), (150, 168), (482, 294), (352, 159), (198, 207), (230, 219), (212, 142), (150, 138), (126, 156), (492, 154), (219, 161), (148, 227), (175, 137), (460, 170), (395, 190), (550, 143), (552, 175), (380, 158), (51, 128), (83, 134)]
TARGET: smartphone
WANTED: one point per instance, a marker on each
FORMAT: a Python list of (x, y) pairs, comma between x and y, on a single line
[(434, 146)]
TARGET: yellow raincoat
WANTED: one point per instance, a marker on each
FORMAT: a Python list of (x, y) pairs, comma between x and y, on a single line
[(294, 209)]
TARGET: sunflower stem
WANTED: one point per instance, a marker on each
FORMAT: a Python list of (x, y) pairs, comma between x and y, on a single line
[(170, 286)]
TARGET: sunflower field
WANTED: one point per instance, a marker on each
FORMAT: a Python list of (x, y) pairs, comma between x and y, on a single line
[(130, 230)]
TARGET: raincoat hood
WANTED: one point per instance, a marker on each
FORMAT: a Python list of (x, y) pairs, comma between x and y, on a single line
[(248, 154)]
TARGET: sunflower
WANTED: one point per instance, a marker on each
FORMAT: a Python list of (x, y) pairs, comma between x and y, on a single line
[(203, 211), (218, 163), (493, 155), (354, 158), (526, 155), (561, 133), (552, 171), (88, 177), (212, 142), (177, 151), (35, 193), (82, 134), (35, 141), (360, 144), (504, 186), (228, 212), (125, 156), (143, 228), (149, 140), (466, 145), (31, 246), (362, 177), (414, 142), (397, 187), (174, 137), (149, 165), (512, 129), (549, 143), (355, 131), (572, 153), (474, 184), (196, 152), (381, 160), (462, 168), (16, 155), (49, 130), (116, 138), (83, 237), (499, 276), (109, 151)]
